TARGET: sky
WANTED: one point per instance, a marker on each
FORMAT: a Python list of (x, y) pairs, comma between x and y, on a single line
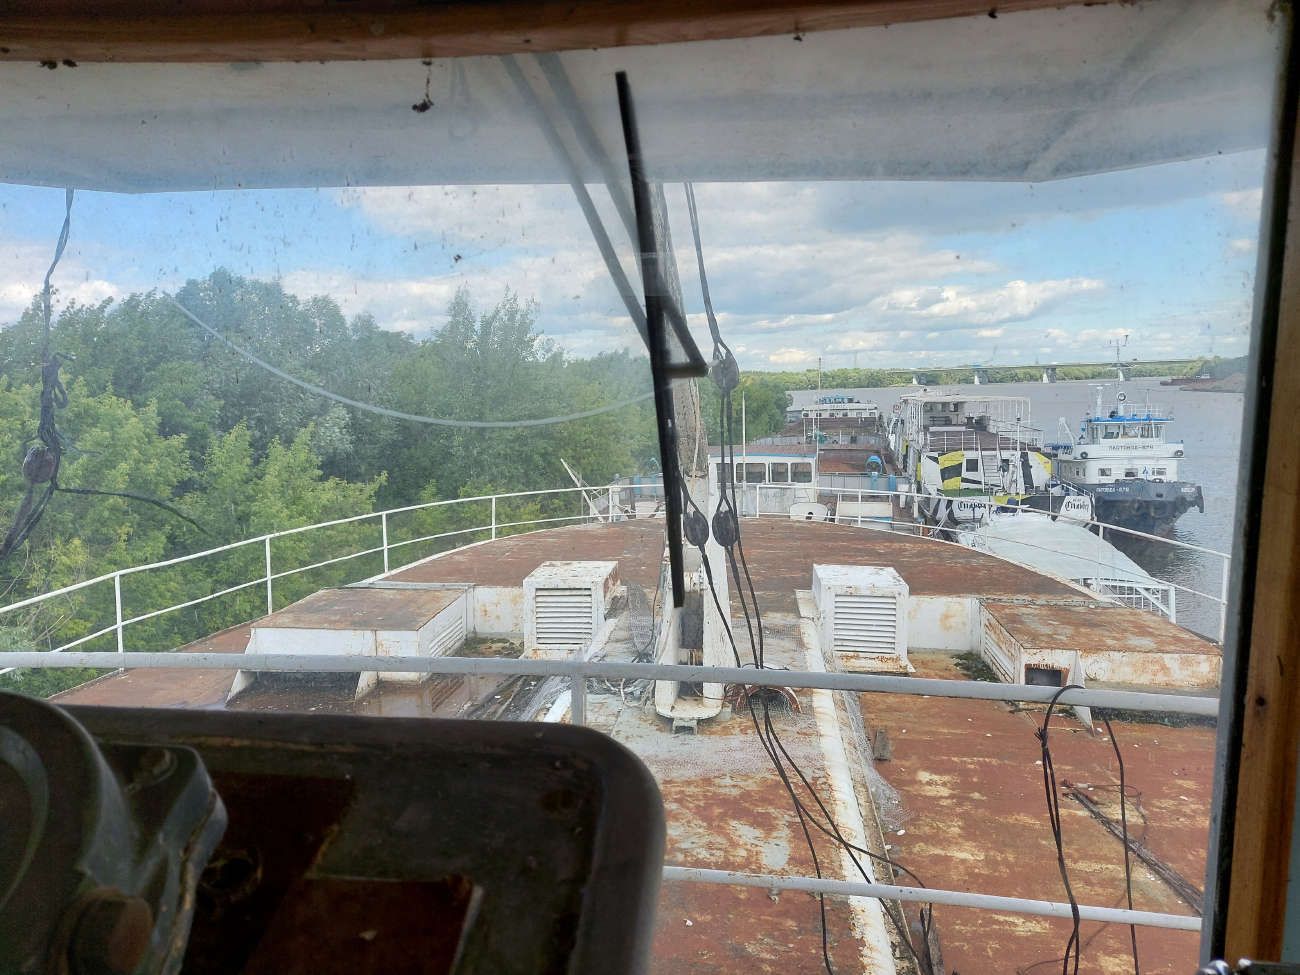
[(877, 274)]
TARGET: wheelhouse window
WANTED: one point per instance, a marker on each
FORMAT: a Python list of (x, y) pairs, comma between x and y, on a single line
[(780, 473), (755, 473)]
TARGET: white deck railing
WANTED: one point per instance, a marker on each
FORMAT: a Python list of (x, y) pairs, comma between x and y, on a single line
[(578, 672), (597, 504)]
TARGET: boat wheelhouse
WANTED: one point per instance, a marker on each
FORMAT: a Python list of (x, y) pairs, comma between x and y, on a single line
[(1125, 461)]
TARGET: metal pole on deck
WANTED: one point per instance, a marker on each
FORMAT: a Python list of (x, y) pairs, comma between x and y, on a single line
[(270, 607), (494, 516), (744, 449), (384, 523), (1223, 602), (117, 594), (578, 700), (859, 507)]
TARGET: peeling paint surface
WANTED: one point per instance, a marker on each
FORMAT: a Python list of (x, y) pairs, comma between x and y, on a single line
[(1115, 645), (978, 821), (973, 811)]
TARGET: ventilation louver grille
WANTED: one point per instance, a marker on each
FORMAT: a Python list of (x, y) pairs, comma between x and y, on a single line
[(866, 624), (562, 617), (449, 637)]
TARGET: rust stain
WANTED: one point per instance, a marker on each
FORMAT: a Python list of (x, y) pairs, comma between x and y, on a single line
[(967, 774), (1058, 626), (637, 547), (364, 609), (167, 688)]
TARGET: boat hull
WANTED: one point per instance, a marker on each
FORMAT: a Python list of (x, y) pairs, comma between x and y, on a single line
[(1145, 506)]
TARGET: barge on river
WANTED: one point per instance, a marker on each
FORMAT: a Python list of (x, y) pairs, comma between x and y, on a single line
[(968, 454)]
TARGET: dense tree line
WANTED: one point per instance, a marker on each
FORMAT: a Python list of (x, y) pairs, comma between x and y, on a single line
[(160, 408)]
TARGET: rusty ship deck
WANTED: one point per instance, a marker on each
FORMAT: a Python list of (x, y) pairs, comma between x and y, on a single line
[(970, 811)]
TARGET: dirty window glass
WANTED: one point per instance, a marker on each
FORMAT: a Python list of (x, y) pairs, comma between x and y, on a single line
[(342, 361)]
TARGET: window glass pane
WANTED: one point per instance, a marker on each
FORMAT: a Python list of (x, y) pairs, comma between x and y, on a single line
[(878, 210)]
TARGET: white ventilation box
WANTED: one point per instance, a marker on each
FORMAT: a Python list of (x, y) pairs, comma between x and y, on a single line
[(565, 605), (863, 615), (414, 620)]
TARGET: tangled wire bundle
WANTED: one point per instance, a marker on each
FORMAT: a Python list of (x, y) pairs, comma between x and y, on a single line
[(42, 461)]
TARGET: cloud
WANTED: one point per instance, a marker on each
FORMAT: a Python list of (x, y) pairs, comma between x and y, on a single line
[(967, 307), (787, 357), (1245, 203), (71, 282), (894, 273)]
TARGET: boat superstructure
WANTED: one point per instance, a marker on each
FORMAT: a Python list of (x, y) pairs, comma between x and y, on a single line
[(966, 452), (1123, 458)]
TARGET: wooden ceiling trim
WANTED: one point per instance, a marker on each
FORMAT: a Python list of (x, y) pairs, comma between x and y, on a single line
[(224, 31)]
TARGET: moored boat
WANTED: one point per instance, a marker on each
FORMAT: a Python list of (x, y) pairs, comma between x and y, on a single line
[(1123, 458)]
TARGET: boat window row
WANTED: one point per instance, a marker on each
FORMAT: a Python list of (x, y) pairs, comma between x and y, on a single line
[(1127, 431), (1079, 470), (773, 473)]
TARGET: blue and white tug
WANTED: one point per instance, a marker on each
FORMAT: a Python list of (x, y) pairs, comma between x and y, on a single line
[(1124, 461)]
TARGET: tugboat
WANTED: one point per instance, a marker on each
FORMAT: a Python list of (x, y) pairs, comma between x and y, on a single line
[(969, 454), (1124, 461)]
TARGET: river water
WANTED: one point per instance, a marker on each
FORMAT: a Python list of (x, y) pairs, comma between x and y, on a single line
[(1210, 426)]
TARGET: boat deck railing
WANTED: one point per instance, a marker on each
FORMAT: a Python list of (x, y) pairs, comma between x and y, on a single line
[(595, 506), (369, 540)]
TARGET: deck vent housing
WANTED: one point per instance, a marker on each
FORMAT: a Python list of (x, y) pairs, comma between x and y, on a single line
[(565, 606), (862, 611)]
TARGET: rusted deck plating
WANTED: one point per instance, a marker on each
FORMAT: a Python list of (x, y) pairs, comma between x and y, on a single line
[(971, 791), (363, 609)]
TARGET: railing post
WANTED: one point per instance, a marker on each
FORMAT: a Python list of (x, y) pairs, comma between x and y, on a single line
[(494, 516), (859, 524), (611, 504), (578, 700), (384, 522), (1223, 602), (270, 606), (117, 595)]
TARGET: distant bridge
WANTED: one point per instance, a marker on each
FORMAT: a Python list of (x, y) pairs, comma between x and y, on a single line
[(923, 376)]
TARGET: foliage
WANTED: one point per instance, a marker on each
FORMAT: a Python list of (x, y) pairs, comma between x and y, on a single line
[(159, 407)]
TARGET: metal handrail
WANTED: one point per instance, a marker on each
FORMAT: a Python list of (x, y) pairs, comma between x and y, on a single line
[(269, 577), (493, 527), (291, 663), (578, 671)]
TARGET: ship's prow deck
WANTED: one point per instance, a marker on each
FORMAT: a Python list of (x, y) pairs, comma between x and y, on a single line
[(727, 809)]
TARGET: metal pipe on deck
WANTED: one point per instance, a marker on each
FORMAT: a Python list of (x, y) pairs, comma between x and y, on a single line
[(926, 895), (290, 663)]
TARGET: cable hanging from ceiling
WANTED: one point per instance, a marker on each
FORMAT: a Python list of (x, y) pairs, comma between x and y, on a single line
[(397, 414)]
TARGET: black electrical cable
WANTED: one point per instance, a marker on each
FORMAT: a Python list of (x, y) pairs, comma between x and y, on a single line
[(725, 526), (1123, 822), (775, 748), (1054, 815)]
